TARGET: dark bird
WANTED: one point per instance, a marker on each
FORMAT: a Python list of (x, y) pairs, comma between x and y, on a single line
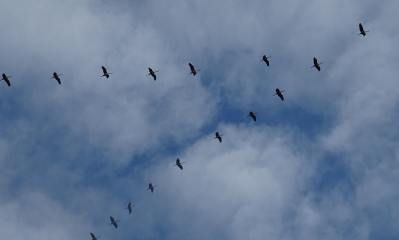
[(129, 207), (151, 187), (93, 237), (362, 31), (266, 59), (56, 77), (179, 164), (6, 79), (252, 115), (279, 94), (113, 222), (218, 136), (105, 72), (192, 69), (152, 73), (316, 64)]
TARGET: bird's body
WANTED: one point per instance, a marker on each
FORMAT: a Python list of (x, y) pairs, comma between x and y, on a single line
[(279, 93), (316, 64), (252, 115), (113, 222), (6, 79), (93, 237), (218, 137), (192, 69), (152, 73), (266, 60), (129, 207), (362, 31), (179, 164), (105, 72), (57, 77), (151, 187)]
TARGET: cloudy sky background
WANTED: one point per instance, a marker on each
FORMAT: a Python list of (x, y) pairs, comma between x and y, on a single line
[(321, 165)]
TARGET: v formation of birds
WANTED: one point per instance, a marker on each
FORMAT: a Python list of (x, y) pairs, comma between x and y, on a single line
[(151, 72)]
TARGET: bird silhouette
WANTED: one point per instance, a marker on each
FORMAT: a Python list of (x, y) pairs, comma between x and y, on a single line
[(129, 207), (151, 187), (105, 72), (56, 77), (266, 59), (93, 237), (362, 31), (152, 73), (6, 79), (192, 69), (179, 164), (252, 115), (218, 136), (279, 93), (316, 64), (113, 222)]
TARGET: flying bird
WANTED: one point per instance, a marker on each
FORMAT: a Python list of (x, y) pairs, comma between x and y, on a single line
[(105, 72), (179, 164), (93, 237), (316, 64), (252, 115), (113, 222), (218, 136), (152, 73), (266, 59), (6, 79), (279, 93), (151, 187), (56, 77), (362, 31), (192, 69), (129, 207)]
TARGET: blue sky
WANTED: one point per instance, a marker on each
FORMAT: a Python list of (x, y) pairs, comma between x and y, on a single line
[(321, 165)]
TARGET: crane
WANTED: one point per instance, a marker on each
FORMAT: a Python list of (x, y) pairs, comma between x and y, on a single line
[(129, 207), (218, 136), (316, 64), (56, 77), (6, 79), (362, 31), (151, 187), (179, 164), (266, 59), (105, 72), (279, 93), (113, 221), (252, 115), (152, 73), (93, 237), (192, 69)]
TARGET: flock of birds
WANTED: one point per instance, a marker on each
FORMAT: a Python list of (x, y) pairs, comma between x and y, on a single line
[(194, 71)]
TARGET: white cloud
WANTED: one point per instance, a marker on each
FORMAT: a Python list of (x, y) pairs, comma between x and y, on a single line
[(115, 114), (35, 216), (62, 148)]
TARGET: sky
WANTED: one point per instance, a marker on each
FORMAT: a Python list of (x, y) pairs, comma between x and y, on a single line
[(323, 164)]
